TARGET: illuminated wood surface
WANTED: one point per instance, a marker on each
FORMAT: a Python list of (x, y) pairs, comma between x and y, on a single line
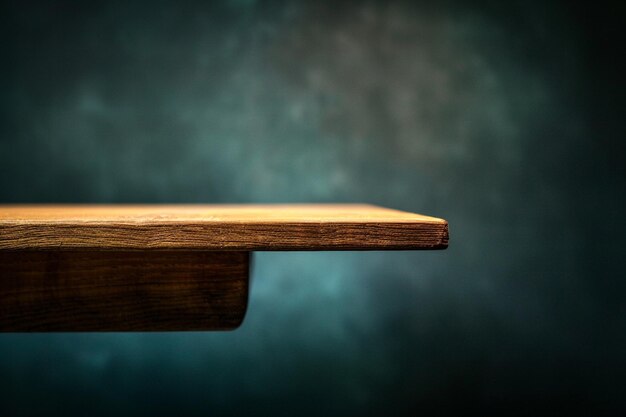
[(217, 227)]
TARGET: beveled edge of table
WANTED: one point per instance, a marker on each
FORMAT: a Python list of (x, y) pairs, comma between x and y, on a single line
[(264, 227)]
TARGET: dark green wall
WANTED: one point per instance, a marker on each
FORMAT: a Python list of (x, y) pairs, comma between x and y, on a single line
[(499, 116)]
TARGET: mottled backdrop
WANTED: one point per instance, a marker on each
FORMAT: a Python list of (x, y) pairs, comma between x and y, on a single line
[(498, 116)]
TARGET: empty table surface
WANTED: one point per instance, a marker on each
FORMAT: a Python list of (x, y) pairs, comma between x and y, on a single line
[(218, 227)]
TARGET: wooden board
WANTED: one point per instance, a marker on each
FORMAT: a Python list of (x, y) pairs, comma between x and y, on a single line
[(122, 291), (218, 227)]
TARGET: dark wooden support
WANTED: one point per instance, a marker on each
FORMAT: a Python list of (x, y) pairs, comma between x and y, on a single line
[(149, 290)]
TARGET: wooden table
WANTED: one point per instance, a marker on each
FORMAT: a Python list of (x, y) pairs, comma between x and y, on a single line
[(169, 267)]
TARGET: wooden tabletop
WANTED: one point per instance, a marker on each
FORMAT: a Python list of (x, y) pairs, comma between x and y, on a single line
[(218, 227)]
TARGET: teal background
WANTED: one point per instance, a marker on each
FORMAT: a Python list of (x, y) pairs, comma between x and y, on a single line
[(502, 117)]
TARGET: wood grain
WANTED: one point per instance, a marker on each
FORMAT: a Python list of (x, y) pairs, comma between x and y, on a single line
[(218, 227), (122, 291)]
